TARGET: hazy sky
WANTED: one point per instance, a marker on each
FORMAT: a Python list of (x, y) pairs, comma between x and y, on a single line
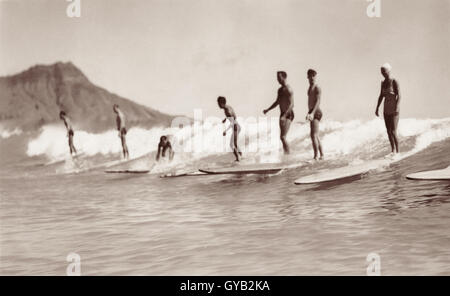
[(177, 55)]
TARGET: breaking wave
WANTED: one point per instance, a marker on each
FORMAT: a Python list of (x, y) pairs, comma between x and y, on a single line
[(258, 139)]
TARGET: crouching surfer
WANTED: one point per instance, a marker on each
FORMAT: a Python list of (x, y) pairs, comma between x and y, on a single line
[(164, 147)]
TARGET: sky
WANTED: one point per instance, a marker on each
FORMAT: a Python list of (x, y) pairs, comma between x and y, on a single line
[(180, 55)]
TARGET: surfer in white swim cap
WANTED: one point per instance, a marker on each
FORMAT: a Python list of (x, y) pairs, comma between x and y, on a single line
[(390, 92), (387, 67)]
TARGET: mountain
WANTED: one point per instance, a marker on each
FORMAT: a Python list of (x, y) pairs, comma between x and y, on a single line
[(35, 97)]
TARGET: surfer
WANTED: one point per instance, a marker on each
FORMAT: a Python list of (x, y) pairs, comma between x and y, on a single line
[(314, 114), (285, 99), (234, 125), (163, 146), (390, 91), (120, 120), (69, 128)]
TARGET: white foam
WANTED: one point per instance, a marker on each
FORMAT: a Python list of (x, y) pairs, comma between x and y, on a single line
[(6, 133), (260, 142)]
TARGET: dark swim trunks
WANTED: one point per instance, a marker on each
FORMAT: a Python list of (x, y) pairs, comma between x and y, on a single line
[(290, 115), (71, 133), (123, 131), (318, 115)]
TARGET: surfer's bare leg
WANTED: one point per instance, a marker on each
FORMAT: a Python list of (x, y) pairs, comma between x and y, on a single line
[(320, 149), (391, 141), (394, 131), (171, 154), (236, 151), (238, 130), (315, 124), (314, 137), (72, 149), (236, 154), (71, 146), (235, 143), (388, 122), (284, 128), (124, 146)]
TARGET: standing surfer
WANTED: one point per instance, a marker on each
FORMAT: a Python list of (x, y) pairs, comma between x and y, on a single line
[(390, 91), (120, 120), (234, 125), (314, 114), (69, 128), (285, 99)]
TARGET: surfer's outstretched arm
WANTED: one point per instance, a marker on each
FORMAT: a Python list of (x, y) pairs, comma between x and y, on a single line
[(271, 107), (380, 99)]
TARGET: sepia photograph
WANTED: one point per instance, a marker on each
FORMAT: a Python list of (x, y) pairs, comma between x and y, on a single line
[(224, 138)]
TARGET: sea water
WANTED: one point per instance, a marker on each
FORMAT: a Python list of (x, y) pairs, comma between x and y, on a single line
[(125, 224)]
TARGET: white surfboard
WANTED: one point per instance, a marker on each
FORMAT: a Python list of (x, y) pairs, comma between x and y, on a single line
[(343, 172), (182, 174), (119, 164), (265, 168), (66, 158), (435, 175)]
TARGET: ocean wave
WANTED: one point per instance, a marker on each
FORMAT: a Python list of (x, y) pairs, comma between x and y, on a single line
[(257, 138)]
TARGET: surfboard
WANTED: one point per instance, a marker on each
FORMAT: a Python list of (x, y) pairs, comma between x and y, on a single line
[(67, 158), (435, 175), (266, 168), (119, 164), (127, 171), (183, 174), (342, 172)]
